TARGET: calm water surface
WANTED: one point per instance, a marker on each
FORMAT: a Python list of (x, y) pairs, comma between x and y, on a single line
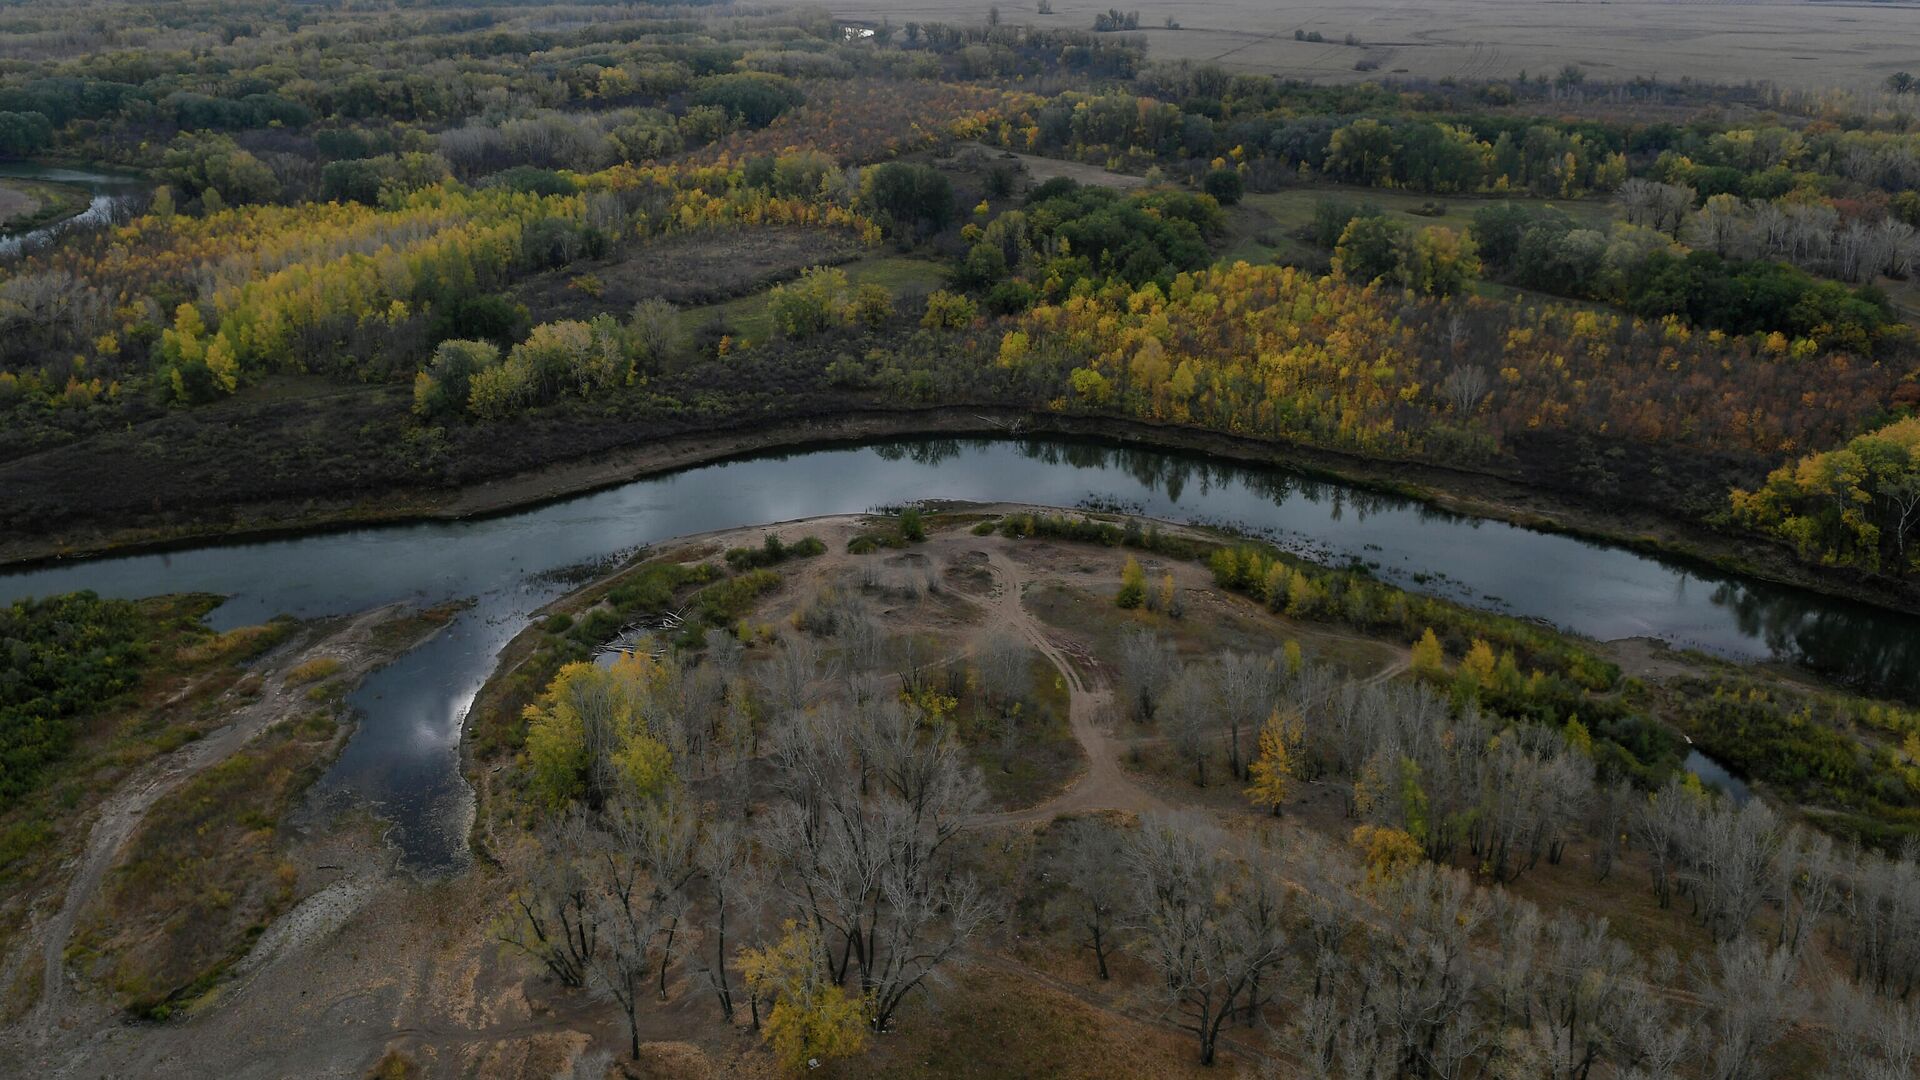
[(110, 192), (403, 759)]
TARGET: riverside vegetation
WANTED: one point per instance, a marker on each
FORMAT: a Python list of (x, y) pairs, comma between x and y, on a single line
[(950, 790)]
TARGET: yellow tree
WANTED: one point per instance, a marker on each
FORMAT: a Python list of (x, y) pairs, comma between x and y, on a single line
[(812, 1017), (1133, 585), (1389, 853), (1428, 659), (589, 736), (1273, 770)]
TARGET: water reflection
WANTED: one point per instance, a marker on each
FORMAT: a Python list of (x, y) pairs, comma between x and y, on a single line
[(1715, 775), (112, 197), (403, 758)]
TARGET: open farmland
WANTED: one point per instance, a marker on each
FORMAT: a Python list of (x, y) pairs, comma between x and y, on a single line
[(1798, 45)]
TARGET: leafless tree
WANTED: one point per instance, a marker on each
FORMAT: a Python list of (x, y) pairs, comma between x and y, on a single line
[(1203, 923), (1807, 886), (1092, 866), (1148, 665), (1649, 1040), (1466, 387), (554, 918), (1187, 716), (1869, 1038), (1881, 909), (1608, 818), (734, 894), (1730, 864), (1005, 666), (1585, 982), (862, 856), (1422, 975), (791, 679), (1246, 689), (641, 870), (1746, 1008), (1660, 826)]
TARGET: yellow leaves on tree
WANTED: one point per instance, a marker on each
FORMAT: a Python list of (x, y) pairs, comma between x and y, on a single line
[(1858, 505), (589, 737), (1390, 853), (1278, 761), (812, 1018), (1428, 658), (1133, 585)]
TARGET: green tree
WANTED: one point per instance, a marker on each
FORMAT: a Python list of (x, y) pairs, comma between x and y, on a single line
[(818, 301), (1438, 261), (1362, 152), (199, 163), (1225, 185), (914, 198), (1369, 250), (589, 736)]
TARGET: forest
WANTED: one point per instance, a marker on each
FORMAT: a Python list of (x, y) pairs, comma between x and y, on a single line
[(363, 227), (448, 317)]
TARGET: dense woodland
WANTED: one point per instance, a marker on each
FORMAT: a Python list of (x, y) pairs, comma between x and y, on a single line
[(353, 195)]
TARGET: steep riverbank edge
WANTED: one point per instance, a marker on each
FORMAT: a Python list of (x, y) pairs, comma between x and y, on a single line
[(1458, 490)]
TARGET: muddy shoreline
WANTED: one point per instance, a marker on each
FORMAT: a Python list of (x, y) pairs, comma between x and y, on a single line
[(1459, 490)]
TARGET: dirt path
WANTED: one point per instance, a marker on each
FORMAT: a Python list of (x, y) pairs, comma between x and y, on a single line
[(1104, 786), (122, 812)]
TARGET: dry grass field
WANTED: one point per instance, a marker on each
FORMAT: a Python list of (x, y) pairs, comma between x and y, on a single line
[(1808, 45)]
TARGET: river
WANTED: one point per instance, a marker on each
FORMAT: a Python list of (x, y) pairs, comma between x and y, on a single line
[(403, 758), (110, 192)]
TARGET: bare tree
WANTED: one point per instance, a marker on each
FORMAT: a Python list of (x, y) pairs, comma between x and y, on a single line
[(1882, 912), (1188, 718), (1746, 1008), (1092, 864), (1004, 665), (734, 888), (554, 916), (1585, 984), (1655, 205), (1148, 665), (1465, 387), (1246, 688), (1204, 922), (1730, 864), (1869, 1038), (642, 866), (863, 857), (1807, 886), (791, 679)]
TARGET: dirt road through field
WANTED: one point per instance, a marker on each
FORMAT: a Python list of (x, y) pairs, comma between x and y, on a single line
[(1104, 786)]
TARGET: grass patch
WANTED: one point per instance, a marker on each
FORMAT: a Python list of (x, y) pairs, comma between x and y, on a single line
[(750, 320), (1017, 1027), (203, 876), (31, 204), (320, 667), (1044, 756), (396, 634), (237, 644)]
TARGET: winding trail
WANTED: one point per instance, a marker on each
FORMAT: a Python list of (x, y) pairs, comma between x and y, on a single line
[(1104, 785), (121, 813)]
